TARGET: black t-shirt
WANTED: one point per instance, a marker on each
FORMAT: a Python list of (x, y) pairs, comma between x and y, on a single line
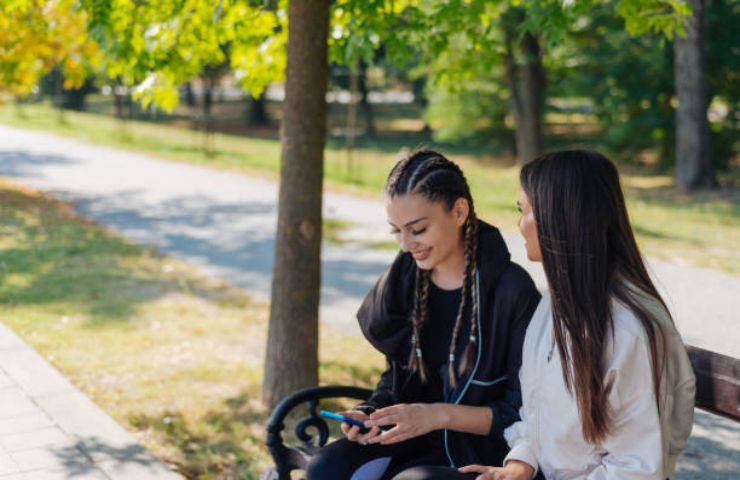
[(435, 343), (437, 334)]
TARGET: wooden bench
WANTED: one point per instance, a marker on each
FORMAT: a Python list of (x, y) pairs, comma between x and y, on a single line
[(717, 391), (717, 382)]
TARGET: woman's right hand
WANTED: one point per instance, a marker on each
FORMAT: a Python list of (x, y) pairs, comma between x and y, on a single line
[(514, 470), (352, 432)]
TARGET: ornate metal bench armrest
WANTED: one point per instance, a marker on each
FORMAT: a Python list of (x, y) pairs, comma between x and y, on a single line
[(291, 458)]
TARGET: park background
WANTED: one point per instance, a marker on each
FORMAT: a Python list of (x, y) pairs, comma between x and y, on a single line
[(191, 361)]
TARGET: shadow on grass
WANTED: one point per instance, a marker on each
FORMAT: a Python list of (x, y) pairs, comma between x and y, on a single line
[(53, 256), (227, 439), (667, 195), (232, 238), (222, 443)]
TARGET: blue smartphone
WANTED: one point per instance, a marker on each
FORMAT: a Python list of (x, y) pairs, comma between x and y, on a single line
[(342, 418)]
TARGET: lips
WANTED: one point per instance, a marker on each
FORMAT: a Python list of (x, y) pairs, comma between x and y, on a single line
[(422, 255)]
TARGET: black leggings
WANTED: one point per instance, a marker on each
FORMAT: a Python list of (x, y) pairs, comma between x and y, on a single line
[(434, 473), (340, 459), (441, 473)]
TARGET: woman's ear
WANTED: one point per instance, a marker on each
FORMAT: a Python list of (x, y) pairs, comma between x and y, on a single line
[(461, 210)]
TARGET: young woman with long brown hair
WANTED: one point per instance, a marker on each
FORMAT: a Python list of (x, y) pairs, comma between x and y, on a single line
[(607, 386), (449, 315)]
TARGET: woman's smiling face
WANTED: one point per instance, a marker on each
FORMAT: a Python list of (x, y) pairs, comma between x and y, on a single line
[(426, 229)]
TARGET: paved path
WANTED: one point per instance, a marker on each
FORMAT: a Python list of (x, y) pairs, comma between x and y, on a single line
[(50, 430), (225, 223)]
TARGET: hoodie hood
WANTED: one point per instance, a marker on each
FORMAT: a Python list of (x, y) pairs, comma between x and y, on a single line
[(385, 314)]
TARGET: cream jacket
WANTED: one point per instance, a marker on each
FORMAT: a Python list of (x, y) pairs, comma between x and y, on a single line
[(645, 441)]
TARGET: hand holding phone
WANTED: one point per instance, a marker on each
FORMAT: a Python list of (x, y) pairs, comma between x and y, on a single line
[(345, 419), (351, 429)]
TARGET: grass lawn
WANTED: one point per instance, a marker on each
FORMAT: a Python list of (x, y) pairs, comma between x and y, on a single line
[(700, 229), (173, 356)]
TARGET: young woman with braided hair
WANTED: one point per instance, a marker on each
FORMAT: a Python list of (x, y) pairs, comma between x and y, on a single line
[(449, 315)]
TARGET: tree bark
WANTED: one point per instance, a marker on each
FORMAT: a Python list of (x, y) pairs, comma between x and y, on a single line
[(693, 149), (526, 78), (292, 345)]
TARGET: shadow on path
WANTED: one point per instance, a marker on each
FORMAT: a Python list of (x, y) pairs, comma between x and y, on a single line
[(713, 450)]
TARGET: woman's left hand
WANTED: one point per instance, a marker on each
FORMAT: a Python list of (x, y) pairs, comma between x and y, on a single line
[(514, 470), (410, 420)]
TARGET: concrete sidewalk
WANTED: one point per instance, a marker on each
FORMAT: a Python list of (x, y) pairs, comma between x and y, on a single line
[(51, 430)]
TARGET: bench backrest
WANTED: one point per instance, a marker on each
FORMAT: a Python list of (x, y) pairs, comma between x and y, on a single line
[(717, 382)]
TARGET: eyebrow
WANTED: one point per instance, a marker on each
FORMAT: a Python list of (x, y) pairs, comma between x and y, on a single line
[(408, 224)]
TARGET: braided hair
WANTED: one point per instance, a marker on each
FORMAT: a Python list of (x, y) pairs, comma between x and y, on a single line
[(430, 174)]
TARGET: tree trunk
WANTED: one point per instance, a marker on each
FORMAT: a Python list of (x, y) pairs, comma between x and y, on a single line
[(419, 88), (118, 102), (292, 344), (189, 94), (129, 103), (693, 150), (354, 74), (208, 85), (367, 108), (256, 111), (526, 79)]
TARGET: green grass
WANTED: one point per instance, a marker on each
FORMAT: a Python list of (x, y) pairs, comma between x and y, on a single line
[(700, 229), (333, 228), (175, 357)]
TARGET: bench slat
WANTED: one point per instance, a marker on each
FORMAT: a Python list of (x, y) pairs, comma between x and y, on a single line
[(717, 382)]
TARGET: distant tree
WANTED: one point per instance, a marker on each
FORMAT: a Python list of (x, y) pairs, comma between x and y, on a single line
[(627, 79), (37, 36), (723, 23), (630, 81), (154, 47), (527, 84), (469, 45), (694, 167), (73, 97), (257, 111)]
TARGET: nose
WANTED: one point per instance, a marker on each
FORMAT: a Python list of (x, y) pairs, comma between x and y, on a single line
[(406, 241)]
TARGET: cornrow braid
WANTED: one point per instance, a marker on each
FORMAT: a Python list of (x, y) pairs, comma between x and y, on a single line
[(470, 232), (433, 176), (471, 256), (418, 317)]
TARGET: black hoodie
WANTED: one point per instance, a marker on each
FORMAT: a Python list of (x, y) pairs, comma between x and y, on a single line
[(508, 298)]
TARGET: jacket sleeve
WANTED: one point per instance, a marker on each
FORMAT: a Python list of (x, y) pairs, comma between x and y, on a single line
[(678, 398), (383, 319), (518, 440), (516, 300), (633, 449), (383, 395)]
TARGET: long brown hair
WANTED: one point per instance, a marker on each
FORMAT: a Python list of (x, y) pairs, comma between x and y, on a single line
[(430, 174), (590, 257)]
